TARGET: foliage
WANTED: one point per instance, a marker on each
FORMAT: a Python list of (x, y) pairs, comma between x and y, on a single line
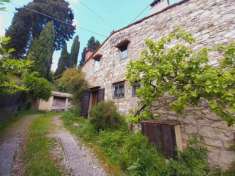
[(73, 81), (84, 128), (105, 116), (92, 45), (74, 52), (63, 61), (15, 76), (37, 87), (2, 3), (192, 161), (29, 21), (37, 158), (170, 67), (133, 153), (42, 50), (11, 70), (141, 158)]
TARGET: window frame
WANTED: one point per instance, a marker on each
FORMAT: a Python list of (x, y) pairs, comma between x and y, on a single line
[(97, 59), (96, 65), (118, 90), (135, 86), (123, 49)]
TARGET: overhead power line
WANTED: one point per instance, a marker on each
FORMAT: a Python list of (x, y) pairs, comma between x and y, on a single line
[(139, 14), (95, 13), (64, 22)]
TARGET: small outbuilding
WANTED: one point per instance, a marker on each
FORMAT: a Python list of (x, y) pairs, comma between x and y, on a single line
[(59, 101)]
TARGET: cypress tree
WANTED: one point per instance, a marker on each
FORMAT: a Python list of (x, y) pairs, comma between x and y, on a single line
[(92, 45), (27, 25), (63, 61), (74, 52), (42, 50)]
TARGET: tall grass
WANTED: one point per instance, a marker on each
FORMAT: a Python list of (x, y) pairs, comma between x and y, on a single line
[(128, 153), (37, 157)]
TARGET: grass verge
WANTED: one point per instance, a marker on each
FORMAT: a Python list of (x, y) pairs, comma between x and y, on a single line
[(37, 151), (126, 153), (82, 129)]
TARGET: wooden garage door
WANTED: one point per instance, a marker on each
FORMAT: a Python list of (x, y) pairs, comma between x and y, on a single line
[(162, 136)]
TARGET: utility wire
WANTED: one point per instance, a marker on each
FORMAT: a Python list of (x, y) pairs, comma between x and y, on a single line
[(140, 14), (95, 13), (63, 22)]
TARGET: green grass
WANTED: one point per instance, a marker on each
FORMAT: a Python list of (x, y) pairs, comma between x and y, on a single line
[(126, 153), (37, 157), (121, 152), (87, 133)]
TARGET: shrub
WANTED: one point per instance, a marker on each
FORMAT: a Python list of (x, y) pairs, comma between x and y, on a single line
[(105, 116), (38, 87), (139, 157), (135, 156), (192, 161), (73, 81), (111, 142)]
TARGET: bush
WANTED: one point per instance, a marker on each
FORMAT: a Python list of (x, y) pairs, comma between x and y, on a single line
[(140, 158), (73, 81), (105, 116), (135, 156), (111, 142), (192, 161), (38, 87)]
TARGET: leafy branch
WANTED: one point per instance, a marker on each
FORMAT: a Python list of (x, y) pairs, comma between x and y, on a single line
[(170, 67)]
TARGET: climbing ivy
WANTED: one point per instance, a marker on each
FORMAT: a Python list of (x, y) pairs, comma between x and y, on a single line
[(171, 67)]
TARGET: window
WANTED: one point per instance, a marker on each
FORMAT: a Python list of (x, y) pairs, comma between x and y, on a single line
[(134, 88), (96, 65), (124, 53), (119, 90), (123, 48), (97, 62)]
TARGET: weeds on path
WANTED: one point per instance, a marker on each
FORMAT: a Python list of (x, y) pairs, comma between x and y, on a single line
[(37, 152)]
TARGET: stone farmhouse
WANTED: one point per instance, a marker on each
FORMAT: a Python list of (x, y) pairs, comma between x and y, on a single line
[(211, 22)]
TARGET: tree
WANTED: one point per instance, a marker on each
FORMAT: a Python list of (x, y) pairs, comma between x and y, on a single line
[(15, 75), (83, 58), (185, 75), (2, 4), (37, 86), (73, 81), (30, 20), (42, 50), (74, 52), (92, 45), (11, 70), (63, 61)]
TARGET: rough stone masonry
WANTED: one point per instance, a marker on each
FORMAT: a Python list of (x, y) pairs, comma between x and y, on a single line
[(211, 22)]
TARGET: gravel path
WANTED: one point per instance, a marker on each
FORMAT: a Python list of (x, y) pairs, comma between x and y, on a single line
[(11, 145), (78, 159)]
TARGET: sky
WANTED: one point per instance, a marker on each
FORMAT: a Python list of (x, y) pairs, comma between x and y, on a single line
[(96, 18)]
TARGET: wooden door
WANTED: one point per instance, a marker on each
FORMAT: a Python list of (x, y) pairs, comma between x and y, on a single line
[(101, 93), (162, 136), (85, 100), (94, 98)]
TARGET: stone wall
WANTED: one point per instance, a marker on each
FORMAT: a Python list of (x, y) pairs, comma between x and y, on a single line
[(211, 22), (216, 135)]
